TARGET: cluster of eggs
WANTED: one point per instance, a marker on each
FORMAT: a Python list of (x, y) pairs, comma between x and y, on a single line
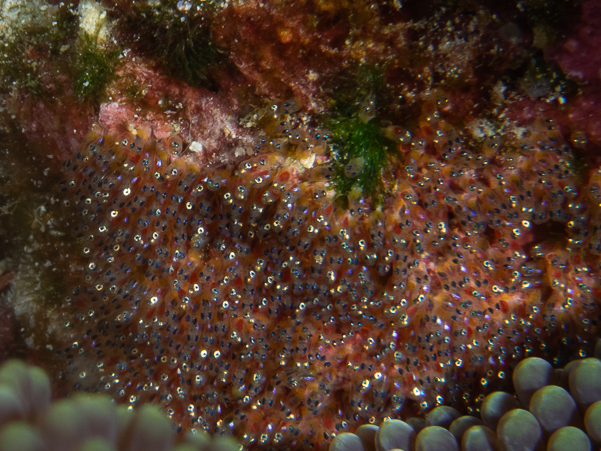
[(246, 301), (557, 409)]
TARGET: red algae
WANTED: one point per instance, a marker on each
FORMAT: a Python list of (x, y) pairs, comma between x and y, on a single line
[(197, 114), (246, 301)]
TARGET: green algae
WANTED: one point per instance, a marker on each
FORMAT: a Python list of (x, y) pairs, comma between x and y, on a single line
[(34, 53), (49, 57), (131, 89), (94, 68), (356, 142), (361, 152), (177, 36), (354, 85)]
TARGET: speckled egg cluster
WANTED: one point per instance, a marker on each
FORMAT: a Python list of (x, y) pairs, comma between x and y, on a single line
[(245, 300)]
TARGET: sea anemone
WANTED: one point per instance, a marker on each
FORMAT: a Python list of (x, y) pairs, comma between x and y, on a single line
[(546, 410), (556, 408), (30, 421)]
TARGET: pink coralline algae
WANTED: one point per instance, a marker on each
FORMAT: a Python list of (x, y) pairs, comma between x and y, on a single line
[(577, 53), (579, 58)]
